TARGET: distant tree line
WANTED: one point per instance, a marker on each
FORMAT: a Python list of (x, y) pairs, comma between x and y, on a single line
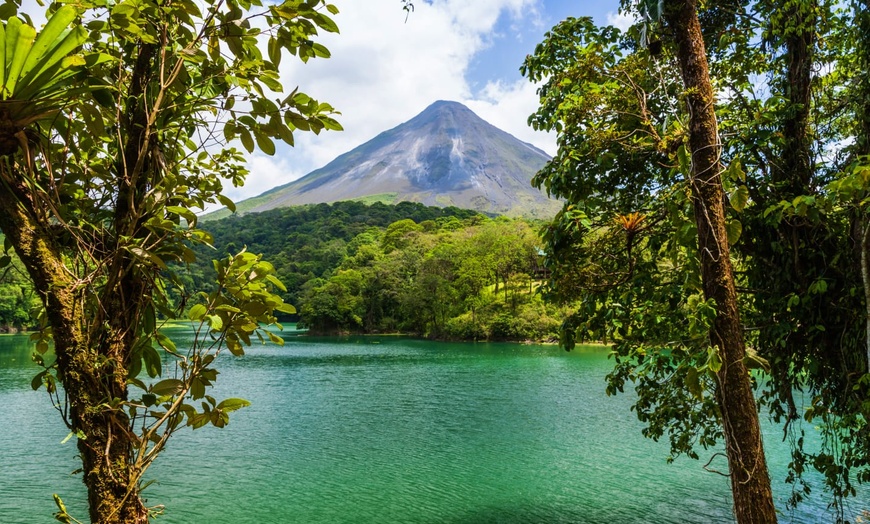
[(437, 272), (472, 279), (306, 242)]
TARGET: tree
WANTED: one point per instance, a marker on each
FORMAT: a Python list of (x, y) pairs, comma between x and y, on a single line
[(792, 177), (620, 131), (116, 125), (750, 482)]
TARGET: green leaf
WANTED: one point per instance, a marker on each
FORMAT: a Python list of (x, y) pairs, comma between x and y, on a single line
[(169, 386), (235, 346), (215, 322), (149, 399), (187, 214), (693, 383), (149, 319), (739, 197), (61, 515), (286, 308), (229, 204), (25, 37), (72, 61), (232, 404), (683, 157), (734, 229), (50, 33), (36, 383), (276, 282), (3, 48), (331, 124), (165, 342), (151, 357), (104, 97), (714, 361), (247, 141), (321, 51), (326, 23), (197, 312), (197, 388), (274, 50), (265, 144), (753, 360), (228, 308), (735, 172), (148, 255)]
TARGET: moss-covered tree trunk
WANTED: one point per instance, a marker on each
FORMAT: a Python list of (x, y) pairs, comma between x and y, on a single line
[(94, 350), (750, 482), (106, 148), (862, 220), (105, 441)]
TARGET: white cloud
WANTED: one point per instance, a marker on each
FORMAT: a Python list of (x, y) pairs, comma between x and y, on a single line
[(384, 70), (271, 171), (508, 106), (621, 20)]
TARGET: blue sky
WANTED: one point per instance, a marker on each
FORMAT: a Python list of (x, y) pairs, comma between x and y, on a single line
[(515, 37), (385, 69)]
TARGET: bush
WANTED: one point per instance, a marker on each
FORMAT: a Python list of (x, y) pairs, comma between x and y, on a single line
[(465, 327)]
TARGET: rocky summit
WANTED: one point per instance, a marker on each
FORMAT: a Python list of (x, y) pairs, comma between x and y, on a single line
[(445, 156)]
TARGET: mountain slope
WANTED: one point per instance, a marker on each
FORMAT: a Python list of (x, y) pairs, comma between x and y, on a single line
[(445, 156)]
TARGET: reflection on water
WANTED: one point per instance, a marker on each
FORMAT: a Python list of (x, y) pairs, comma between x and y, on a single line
[(389, 430)]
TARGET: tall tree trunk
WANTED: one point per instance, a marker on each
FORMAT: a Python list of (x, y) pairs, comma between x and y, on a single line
[(111, 476), (750, 483), (862, 23), (796, 170), (864, 246), (105, 441), (791, 245), (93, 353)]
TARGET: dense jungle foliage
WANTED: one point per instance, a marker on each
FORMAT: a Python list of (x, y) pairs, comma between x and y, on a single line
[(442, 273), (306, 242), (118, 125), (17, 299)]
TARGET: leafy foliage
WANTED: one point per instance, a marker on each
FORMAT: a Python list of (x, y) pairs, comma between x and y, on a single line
[(17, 299), (442, 279), (306, 242), (792, 110), (118, 120)]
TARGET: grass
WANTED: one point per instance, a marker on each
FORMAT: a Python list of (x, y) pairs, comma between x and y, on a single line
[(243, 207), (384, 198)]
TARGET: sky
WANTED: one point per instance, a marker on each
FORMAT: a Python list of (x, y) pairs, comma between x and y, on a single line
[(387, 67)]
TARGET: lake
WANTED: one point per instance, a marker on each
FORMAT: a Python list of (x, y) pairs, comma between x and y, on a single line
[(392, 430)]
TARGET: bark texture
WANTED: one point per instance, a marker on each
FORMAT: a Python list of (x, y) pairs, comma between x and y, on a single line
[(94, 333), (750, 482), (862, 220), (105, 448)]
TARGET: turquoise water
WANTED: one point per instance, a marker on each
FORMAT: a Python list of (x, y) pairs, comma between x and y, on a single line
[(390, 430)]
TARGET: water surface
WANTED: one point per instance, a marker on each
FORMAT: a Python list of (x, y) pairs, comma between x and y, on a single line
[(390, 430)]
